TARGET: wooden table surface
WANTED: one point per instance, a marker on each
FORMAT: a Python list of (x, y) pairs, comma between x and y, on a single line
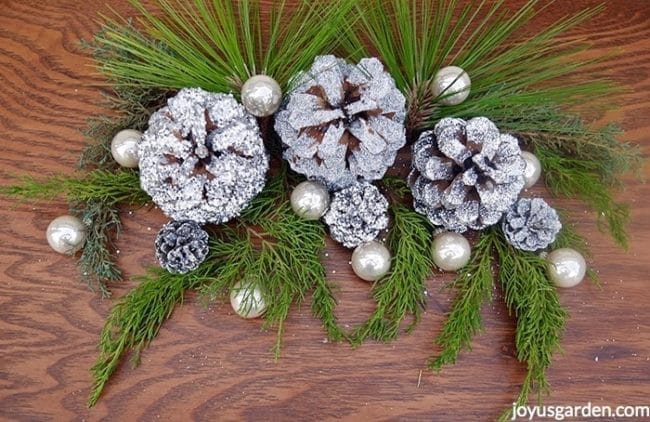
[(208, 364)]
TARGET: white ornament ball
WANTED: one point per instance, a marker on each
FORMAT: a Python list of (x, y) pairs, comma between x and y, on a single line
[(451, 251), (247, 300), (453, 84), (310, 200), (124, 148), (371, 261), (66, 234), (261, 95), (533, 169), (566, 267)]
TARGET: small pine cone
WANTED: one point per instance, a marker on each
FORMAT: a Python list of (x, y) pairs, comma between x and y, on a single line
[(357, 214), (466, 174), (202, 157), (343, 122), (531, 224), (181, 246)]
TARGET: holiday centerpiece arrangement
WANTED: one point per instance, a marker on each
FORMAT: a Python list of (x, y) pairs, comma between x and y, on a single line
[(258, 140)]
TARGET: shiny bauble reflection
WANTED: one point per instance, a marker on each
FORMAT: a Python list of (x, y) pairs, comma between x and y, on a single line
[(66, 234), (371, 261), (533, 169), (452, 84), (310, 200), (247, 300), (450, 251), (261, 95), (566, 267), (124, 148)]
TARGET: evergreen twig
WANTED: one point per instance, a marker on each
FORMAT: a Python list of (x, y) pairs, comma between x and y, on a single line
[(532, 298), (402, 291), (216, 45), (474, 286)]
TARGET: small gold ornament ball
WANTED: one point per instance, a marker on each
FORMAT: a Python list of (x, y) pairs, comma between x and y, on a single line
[(566, 267), (124, 148), (533, 169), (453, 84), (261, 95), (310, 200), (371, 261), (66, 234), (450, 251), (247, 300)]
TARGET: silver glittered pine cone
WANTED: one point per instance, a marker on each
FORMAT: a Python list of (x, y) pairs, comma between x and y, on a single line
[(343, 122), (181, 246), (357, 214), (466, 174), (531, 224), (202, 157)]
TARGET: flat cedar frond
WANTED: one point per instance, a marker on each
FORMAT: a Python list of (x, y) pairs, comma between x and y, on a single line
[(217, 46), (402, 291), (474, 287)]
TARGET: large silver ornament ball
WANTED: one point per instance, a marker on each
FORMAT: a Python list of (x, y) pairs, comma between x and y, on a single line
[(566, 267), (261, 95), (247, 300), (533, 170), (310, 200), (66, 234), (371, 261), (450, 251), (124, 148), (453, 84)]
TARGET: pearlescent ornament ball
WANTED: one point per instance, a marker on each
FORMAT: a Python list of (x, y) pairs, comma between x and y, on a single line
[(533, 169), (261, 95), (450, 251), (66, 234), (566, 267), (124, 148), (371, 261), (452, 83), (247, 300), (310, 200)]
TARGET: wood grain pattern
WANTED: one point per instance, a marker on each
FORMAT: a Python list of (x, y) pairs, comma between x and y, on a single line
[(207, 364)]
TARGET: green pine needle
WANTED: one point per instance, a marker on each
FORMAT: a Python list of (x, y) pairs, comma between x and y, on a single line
[(578, 178), (402, 291), (217, 46), (532, 298), (474, 286), (415, 38)]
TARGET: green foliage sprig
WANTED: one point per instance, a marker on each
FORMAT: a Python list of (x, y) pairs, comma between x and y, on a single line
[(218, 46), (415, 39), (94, 197), (402, 291), (474, 287), (533, 300)]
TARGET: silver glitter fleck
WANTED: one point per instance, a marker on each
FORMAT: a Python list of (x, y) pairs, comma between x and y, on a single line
[(357, 214), (202, 157), (343, 122)]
